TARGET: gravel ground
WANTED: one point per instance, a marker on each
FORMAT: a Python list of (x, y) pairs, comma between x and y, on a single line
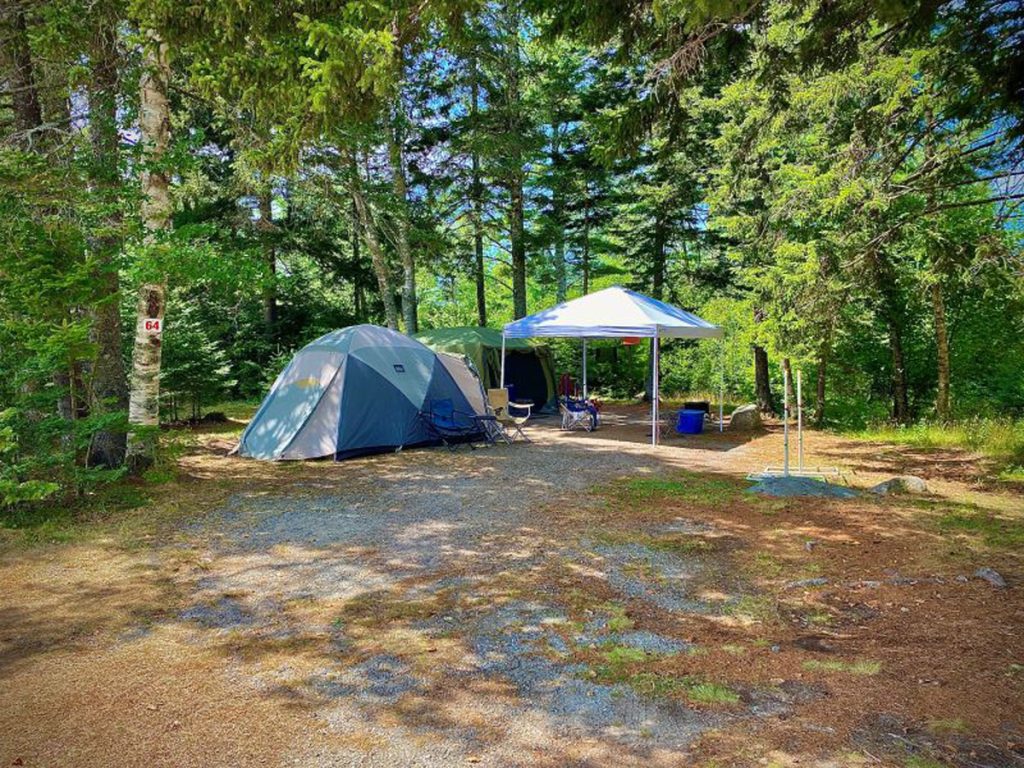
[(419, 525)]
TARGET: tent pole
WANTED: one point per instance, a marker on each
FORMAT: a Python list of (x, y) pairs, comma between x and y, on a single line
[(721, 386), (584, 368), (502, 360), (654, 390)]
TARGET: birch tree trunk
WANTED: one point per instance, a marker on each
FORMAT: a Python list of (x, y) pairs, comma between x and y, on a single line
[(155, 133), (266, 228)]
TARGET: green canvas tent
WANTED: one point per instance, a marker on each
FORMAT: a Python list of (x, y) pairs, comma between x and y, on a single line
[(529, 366)]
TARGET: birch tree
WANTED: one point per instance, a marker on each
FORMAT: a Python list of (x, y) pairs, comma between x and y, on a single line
[(155, 133)]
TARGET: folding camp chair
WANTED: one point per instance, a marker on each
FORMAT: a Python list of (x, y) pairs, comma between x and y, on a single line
[(502, 408), (451, 426), (576, 414)]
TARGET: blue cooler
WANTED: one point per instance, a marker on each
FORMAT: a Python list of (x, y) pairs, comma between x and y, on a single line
[(689, 422)]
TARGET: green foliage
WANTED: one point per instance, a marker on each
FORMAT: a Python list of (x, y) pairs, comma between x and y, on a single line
[(833, 182)]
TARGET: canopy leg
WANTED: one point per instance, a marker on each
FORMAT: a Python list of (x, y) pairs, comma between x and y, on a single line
[(584, 369), (502, 361), (655, 385), (721, 388)]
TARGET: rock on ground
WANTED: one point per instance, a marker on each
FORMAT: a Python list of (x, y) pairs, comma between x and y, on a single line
[(992, 576), (745, 418), (901, 484)]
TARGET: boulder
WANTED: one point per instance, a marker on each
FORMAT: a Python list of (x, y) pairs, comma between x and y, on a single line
[(992, 576), (901, 484), (746, 418)]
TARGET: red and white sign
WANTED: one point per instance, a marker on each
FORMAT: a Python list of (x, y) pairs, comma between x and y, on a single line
[(153, 325)]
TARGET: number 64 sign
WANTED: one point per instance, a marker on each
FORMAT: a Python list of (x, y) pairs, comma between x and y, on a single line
[(152, 325)]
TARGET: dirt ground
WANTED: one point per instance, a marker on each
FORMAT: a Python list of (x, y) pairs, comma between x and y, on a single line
[(584, 600)]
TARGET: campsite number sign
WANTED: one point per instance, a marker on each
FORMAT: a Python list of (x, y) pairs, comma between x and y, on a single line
[(153, 325)]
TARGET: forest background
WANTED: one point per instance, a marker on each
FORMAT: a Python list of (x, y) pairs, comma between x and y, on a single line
[(838, 184)]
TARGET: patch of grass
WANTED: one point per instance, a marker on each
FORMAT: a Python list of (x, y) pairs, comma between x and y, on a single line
[(993, 531), (711, 693), (618, 655), (734, 648), (942, 727), (1001, 440), (866, 667), (921, 761), (685, 486), (755, 608), (618, 620), (1012, 475), (654, 685), (767, 566), (377, 609), (818, 618), (643, 571)]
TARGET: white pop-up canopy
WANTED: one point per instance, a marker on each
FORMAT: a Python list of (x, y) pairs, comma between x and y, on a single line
[(615, 312)]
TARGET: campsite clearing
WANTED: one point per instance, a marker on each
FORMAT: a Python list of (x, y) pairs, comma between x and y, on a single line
[(578, 601)]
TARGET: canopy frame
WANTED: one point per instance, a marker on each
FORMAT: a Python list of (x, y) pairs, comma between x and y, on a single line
[(643, 317)]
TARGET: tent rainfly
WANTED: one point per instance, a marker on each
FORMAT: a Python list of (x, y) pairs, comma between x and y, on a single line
[(356, 391), (617, 312), (528, 365)]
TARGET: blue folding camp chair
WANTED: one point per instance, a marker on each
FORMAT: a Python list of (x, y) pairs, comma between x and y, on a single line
[(451, 426)]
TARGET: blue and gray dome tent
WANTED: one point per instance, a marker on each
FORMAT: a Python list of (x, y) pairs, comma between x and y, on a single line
[(355, 391)]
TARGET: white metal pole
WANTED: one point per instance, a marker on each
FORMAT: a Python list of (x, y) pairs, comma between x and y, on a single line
[(584, 369), (799, 423), (785, 422), (655, 410), (502, 360), (721, 388)]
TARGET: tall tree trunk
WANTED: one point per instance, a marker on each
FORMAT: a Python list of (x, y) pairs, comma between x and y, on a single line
[(942, 348), (109, 383), (657, 291), (155, 133), (266, 227), (658, 259), (377, 257), (477, 195), (890, 308), (518, 245), (513, 109), (28, 115), (900, 399), (789, 383), (585, 255), (938, 302), (819, 393), (396, 138), (762, 374), (557, 213), (762, 381)]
